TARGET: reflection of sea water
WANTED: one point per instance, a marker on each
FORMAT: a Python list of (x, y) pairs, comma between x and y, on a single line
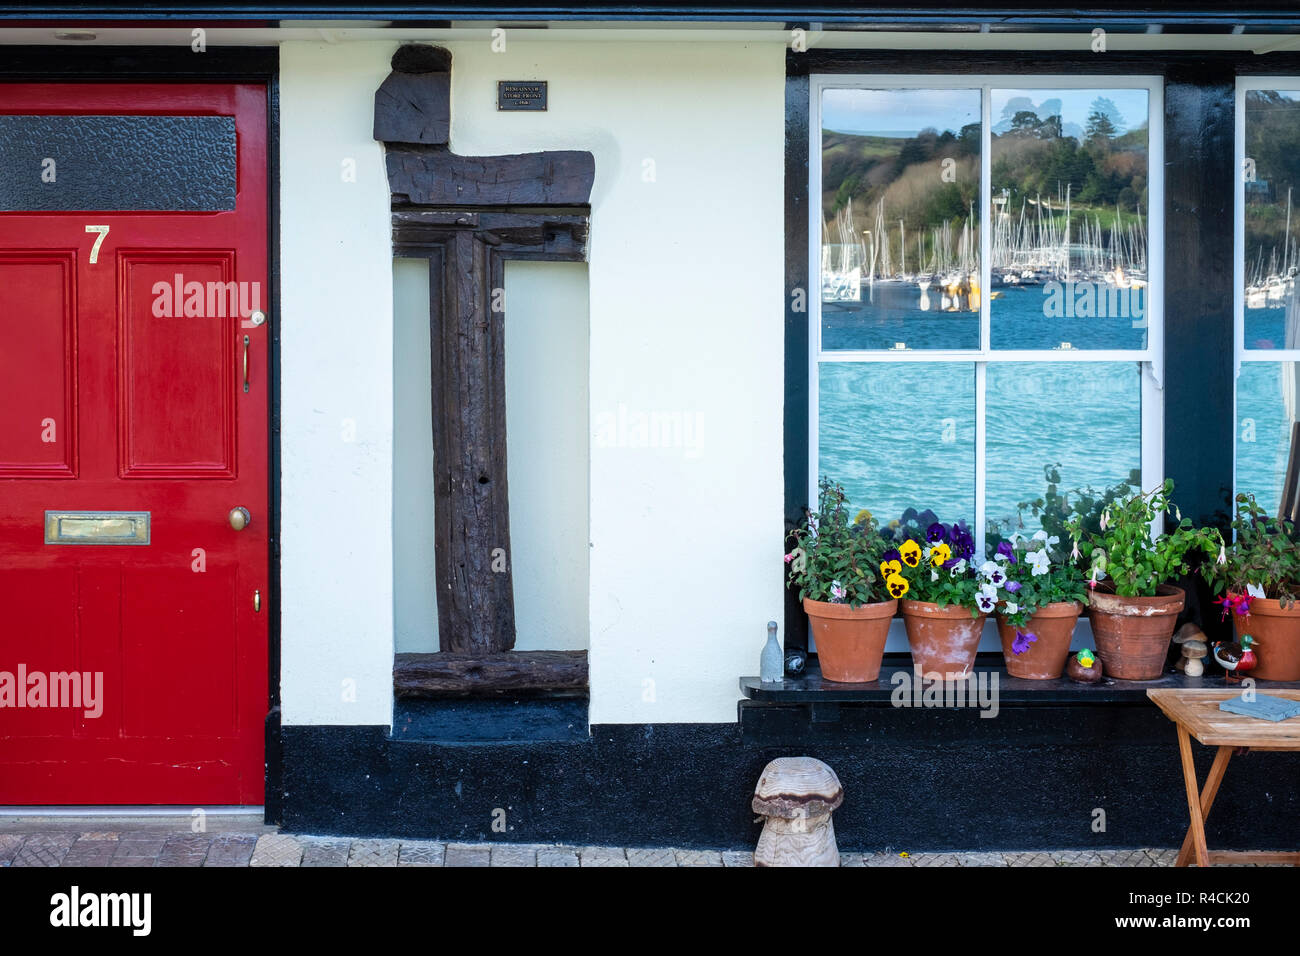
[(1021, 318), (903, 434)]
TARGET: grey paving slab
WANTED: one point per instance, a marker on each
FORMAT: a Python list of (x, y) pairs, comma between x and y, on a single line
[(981, 859), (935, 859), (90, 852), (276, 849), (887, 859), (10, 844), (324, 851), (184, 849), (231, 850), (1162, 856), (1037, 858), (468, 854), (602, 856), (557, 856), (514, 855), (698, 857), (44, 849), (421, 853), (373, 853), (1076, 858), (730, 857), (639, 856)]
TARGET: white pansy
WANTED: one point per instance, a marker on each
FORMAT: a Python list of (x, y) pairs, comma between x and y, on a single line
[(959, 567), (1012, 607), (1039, 562), (989, 569)]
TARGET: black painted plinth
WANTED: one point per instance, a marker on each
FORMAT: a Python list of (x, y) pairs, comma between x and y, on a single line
[(915, 778)]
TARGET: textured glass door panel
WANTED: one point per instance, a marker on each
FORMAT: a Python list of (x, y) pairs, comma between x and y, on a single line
[(899, 436), (1079, 423), (900, 211), (1070, 213), (117, 163)]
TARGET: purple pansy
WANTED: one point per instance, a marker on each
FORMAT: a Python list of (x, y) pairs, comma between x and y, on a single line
[(893, 554), (1008, 552), (936, 532), (1022, 642), (963, 542), (1013, 586)]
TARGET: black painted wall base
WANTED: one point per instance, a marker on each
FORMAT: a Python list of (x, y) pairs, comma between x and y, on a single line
[(914, 779)]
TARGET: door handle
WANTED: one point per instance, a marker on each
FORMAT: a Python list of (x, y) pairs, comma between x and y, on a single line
[(257, 601), (245, 363), (239, 518)]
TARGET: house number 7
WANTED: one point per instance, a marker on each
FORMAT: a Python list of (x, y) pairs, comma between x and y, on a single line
[(94, 250)]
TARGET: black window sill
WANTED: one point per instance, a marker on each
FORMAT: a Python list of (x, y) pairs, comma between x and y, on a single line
[(811, 688)]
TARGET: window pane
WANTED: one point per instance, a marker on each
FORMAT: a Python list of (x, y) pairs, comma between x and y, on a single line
[(899, 436), (1074, 425), (900, 208), (1266, 410), (1271, 173), (1069, 172)]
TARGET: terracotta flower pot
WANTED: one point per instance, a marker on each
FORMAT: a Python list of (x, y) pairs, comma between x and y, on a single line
[(1133, 633), (850, 641), (1277, 638), (1044, 659), (943, 639)]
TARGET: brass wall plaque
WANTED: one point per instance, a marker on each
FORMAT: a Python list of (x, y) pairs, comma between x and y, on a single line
[(97, 527)]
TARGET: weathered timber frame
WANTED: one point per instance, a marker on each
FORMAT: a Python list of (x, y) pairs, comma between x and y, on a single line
[(468, 215)]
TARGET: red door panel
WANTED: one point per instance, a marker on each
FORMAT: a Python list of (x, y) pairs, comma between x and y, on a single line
[(120, 403)]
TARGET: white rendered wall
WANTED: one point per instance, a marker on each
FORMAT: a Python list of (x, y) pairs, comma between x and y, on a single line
[(336, 424), (686, 361)]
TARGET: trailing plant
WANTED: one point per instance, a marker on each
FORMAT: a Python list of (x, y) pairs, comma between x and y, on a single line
[(1053, 510), (1124, 549), (1035, 573), (833, 559), (1262, 561)]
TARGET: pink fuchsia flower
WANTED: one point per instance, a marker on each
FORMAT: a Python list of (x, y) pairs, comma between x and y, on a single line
[(838, 591), (1238, 604), (789, 557)]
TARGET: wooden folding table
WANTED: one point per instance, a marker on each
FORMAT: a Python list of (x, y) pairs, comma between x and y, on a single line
[(1196, 714)]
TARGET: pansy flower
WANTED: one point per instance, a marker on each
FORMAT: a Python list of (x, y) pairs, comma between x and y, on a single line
[(897, 585), (1022, 642), (936, 532), (963, 542), (1013, 586), (910, 553), (887, 568), (1006, 552), (1039, 561), (993, 573), (940, 554), (986, 600)]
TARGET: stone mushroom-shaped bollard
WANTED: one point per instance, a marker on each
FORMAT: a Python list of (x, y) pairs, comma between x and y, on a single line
[(797, 796)]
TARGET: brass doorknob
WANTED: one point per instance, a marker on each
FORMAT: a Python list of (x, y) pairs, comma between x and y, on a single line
[(240, 518)]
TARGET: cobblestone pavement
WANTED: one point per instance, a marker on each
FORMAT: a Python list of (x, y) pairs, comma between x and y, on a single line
[(260, 846)]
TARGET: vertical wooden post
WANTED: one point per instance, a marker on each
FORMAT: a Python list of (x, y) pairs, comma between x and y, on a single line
[(472, 495)]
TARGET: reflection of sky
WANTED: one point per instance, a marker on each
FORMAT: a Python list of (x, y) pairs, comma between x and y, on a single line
[(899, 113), (1075, 105)]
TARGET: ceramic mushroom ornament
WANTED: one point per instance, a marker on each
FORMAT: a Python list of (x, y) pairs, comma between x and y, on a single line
[(797, 795)]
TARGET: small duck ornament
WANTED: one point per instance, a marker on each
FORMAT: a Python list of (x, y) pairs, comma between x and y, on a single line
[(1236, 657), (1084, 667)]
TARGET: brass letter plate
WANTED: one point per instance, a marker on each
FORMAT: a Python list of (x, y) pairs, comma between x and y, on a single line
[(97, 527)]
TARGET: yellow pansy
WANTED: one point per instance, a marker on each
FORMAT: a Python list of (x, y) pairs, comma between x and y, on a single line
[(897, 585), (863, 517), (911, 552), (940, 554), (890, 567)]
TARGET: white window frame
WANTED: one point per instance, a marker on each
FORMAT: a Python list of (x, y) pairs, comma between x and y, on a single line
[(1151, 358), (1289, 84)]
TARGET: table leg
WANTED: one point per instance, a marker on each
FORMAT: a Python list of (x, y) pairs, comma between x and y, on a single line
[(1208, 793), (1193, 798)]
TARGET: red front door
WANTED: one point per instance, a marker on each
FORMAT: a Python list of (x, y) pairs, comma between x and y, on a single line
[(133, 420)]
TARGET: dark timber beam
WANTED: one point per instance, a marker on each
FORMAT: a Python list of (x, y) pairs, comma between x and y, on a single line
[(553, 673), (467, 249)]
